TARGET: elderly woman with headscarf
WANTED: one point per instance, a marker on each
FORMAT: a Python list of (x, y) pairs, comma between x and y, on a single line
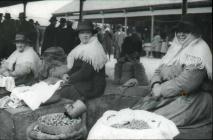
[(23, 63), (178, 91), (53, 65), (86, 63)]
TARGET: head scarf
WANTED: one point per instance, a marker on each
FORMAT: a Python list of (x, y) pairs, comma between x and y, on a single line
[(92, 53), (27, 58), (193, 51)]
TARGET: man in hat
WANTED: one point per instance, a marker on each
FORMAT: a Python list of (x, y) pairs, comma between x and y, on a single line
[(8, 32), (1, 17), (71, 37), (118, 40), (1, 35), (23, 63), (61, 35), (27, 28), (49, 35)]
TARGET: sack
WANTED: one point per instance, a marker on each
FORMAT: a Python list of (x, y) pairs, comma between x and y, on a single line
[(160, 127)]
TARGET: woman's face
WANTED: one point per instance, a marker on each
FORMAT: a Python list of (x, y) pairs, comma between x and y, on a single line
[(20, 46), (182, 36), (85, 36)]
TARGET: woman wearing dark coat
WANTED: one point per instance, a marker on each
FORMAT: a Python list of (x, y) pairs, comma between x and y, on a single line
[(86, 63), (128, 65)]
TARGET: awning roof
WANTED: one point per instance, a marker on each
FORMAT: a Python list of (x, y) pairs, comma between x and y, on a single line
[(10, 3), (97, 5)]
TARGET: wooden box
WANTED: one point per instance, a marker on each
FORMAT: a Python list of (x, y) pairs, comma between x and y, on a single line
[(14, 122)]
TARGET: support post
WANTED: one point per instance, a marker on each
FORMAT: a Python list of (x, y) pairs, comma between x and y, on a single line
[(184, 7), (102, 17), (81, 9), (25, 5), (152, 24), (125, 21)]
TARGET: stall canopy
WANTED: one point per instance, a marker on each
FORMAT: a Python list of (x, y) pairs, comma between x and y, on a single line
[(10, 3)]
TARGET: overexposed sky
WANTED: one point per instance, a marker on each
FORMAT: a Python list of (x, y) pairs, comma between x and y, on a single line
[(40, 11)]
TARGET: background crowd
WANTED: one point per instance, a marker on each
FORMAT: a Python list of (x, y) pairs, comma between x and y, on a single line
[(61, 33)]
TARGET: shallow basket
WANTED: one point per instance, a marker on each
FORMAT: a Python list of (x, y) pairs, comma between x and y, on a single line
[(60, 129)]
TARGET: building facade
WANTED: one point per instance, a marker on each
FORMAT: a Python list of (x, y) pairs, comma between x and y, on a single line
[(147, 15)]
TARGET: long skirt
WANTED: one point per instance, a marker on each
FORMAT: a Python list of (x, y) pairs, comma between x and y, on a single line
[(190, 111)]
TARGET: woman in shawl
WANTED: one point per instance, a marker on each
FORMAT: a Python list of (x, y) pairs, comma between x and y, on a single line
[(179, 89), (86, 63), (23, 63), (179, 84)]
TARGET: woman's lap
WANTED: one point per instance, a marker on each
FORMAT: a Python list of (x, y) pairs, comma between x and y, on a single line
[(69, 92), (189, 111)]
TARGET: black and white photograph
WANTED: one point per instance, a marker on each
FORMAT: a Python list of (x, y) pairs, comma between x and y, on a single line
[(105, 69)]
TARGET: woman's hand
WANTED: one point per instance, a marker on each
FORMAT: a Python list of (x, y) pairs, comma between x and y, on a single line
[(122, 89), (131, 82), (65, 78), (6, 73), (156, 91)]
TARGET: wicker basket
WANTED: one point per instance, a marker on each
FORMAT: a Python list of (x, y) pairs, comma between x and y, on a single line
[(57, 129)]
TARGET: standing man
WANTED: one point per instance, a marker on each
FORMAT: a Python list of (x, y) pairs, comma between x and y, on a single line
[(118, 41), (1, 36), (108, 41), (8, 33), (61, 35), (27, 28), (49, 35), (1, 19), (156, 44), (71, 37)]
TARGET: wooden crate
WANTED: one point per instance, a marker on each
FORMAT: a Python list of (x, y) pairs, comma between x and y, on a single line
[(14, 122)]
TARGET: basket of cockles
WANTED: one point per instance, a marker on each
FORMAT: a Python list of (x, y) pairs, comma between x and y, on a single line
[(58, 123), (70, 124), (63, 123)]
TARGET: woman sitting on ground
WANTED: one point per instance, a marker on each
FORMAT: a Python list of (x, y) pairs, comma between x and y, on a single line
[(23, 63), (86, 63), (178, 91), (53, 65), (128, 70)]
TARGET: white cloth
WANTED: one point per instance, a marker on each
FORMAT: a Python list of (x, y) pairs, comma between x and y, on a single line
[(194, 51), (7, 82), (35, 95), (161, 128), (27, 58), (92, 53)]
